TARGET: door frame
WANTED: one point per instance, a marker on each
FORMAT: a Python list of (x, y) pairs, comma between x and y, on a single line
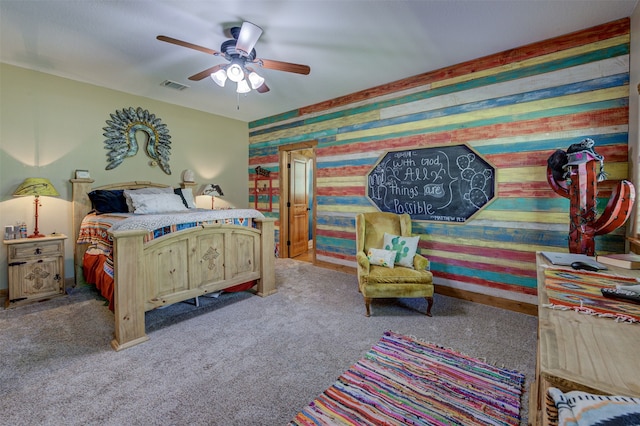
[(283, 183)]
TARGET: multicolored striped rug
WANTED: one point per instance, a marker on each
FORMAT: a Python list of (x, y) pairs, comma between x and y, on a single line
[(403, 381)]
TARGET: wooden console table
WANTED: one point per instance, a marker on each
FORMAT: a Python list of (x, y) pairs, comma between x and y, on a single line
[(582, 352)]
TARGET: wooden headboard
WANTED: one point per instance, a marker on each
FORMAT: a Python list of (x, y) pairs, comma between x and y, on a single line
[(81, 206)]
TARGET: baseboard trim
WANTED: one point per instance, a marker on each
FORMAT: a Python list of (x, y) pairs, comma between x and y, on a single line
[(336, 267), (498, 302)]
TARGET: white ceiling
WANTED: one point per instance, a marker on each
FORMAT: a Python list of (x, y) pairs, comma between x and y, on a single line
[(350, 45)]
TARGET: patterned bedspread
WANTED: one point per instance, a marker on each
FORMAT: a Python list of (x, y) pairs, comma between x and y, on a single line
[(94, 229)]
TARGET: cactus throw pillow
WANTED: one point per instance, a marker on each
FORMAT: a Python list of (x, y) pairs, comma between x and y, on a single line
[(405, 247)]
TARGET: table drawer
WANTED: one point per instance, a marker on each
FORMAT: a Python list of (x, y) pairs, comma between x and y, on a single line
[(18, 252)]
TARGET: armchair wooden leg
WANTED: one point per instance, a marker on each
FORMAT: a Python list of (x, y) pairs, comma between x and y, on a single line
[(429, 305), (367, 303)]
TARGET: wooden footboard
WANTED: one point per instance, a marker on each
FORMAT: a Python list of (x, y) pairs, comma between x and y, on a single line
[(185, 265), (178, 266)]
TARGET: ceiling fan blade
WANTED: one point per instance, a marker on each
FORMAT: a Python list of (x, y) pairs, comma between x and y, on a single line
[(187, 44), (205, 73), (283, 66), (263, 88), (248, 37)]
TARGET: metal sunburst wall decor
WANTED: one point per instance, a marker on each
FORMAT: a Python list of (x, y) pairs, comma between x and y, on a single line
[(123, 130)]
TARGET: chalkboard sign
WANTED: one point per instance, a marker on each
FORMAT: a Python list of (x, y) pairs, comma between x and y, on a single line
[(445, 183)]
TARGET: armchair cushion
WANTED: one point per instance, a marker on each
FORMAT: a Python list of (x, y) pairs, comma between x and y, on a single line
[(405, 247), (382, 275), (381, 257), (397, 282)]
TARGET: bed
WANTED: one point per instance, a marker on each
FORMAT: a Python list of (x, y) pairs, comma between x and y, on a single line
[(218, 250)]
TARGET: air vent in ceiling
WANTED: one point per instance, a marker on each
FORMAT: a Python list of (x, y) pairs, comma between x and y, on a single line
[(174, 85)]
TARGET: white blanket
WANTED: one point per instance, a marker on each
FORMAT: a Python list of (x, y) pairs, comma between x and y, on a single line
[(151, 222)]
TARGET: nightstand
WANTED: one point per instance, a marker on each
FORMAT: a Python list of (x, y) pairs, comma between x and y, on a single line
[(36, 269)]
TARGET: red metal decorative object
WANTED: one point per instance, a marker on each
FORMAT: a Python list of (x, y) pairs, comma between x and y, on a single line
[(579, 185), (262, 192)]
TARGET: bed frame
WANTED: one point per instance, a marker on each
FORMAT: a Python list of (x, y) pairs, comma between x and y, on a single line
[(175, 267)]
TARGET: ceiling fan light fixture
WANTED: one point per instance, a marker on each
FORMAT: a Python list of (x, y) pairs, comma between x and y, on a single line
[(235, 72), (249, 35), (255, 79), (243, 87), (219, 77)]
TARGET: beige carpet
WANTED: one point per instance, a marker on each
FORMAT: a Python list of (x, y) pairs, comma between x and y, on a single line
[(237, 360)]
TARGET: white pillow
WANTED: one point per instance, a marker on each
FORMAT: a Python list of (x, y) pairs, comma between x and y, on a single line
[(156, 203), (187, 193), (381, 257), (405, 247), (127, 194)]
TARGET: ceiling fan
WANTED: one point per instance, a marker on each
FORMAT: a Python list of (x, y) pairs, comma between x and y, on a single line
[(241, 55)]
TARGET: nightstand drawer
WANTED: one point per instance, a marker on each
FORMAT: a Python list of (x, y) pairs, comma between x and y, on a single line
[(39, 249)]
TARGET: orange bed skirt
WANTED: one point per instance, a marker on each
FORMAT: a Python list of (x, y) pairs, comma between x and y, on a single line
[(93, 268)]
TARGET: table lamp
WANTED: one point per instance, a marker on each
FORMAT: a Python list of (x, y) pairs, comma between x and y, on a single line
[(213, 191), (36, 187)]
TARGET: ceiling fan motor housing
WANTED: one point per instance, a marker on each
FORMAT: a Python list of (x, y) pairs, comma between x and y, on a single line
[(235, 32), (229, 49)]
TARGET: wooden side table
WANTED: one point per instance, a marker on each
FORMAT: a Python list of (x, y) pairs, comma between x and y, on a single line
[(582, 352), (36, 269)]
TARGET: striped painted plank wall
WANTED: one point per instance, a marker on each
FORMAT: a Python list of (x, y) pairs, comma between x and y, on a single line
[(514, 108)]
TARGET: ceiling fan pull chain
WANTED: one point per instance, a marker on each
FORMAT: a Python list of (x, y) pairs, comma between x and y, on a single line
[(238, 101)]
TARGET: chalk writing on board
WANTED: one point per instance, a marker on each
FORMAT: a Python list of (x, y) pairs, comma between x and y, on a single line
[(447, 183)]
